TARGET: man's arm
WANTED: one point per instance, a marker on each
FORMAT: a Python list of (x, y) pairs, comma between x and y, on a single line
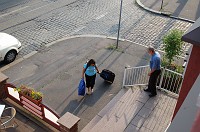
[(149, 74)]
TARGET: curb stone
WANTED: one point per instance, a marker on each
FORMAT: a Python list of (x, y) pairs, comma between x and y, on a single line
[(163, 13)]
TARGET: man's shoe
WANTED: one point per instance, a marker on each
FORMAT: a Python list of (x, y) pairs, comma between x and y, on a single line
[(146, 90), (152, 95)]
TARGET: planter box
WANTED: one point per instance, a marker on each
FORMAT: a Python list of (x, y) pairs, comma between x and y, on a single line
[(37, 102)]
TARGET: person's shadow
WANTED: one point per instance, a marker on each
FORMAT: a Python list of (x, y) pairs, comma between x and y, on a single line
[(76, 105)]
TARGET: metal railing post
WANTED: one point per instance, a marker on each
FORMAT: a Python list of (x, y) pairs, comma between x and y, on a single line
[(161, 79), (124, 77)]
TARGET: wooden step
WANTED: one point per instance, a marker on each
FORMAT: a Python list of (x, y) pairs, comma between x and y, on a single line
[(119, 124), (123, 111), (104, 111), (109, 113)]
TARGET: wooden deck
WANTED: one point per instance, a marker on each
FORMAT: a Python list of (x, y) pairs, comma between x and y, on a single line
[(132, 110)]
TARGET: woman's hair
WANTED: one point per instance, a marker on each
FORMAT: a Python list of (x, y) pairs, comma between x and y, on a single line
[(89, 63)]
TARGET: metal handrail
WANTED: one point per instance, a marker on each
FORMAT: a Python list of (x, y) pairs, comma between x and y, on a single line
[(169, 80), (136, 67)]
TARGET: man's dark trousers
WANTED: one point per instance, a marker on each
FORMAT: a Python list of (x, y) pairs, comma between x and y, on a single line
[(152, 81)]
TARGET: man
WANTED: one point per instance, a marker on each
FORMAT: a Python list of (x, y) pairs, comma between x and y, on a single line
[(155, 71)]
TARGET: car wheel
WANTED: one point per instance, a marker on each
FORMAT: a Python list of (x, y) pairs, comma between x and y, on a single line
[(10, 56)]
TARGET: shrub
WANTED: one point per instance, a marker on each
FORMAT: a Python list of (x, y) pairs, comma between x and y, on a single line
[(172, 44)]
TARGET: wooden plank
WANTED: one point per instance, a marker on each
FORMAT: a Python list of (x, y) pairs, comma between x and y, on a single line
[(144, 129), (119, 124), (145, 112), (112, 103), (110, 112), (131, 128), (32, 112), (150, 123), (127, 100), (32, 108), (138, 121), (137, 109), (105, 111), (31, 103), (152, 102)]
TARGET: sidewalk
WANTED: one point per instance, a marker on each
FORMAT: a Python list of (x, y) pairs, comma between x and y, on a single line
[(56, 71), (183, 9)]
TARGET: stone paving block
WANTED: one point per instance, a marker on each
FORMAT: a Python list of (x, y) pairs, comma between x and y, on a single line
[(68, 20)]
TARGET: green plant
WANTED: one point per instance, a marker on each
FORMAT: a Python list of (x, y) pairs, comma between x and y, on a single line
[(164, 62), (113, 47), (26, 90), (172, 44), (179, 69), (36, 95)]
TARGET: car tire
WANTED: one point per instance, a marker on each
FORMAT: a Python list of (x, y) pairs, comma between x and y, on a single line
[(10, 56)]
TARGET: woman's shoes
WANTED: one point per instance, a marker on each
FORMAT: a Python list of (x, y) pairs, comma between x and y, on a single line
[(89, 91)]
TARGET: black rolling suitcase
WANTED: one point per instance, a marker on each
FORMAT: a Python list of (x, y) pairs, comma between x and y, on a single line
[(107, 75)]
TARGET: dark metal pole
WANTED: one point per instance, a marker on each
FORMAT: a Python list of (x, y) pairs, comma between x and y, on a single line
[(161, 5), (119, 24)]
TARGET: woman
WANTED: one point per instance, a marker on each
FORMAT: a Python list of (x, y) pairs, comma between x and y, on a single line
[(90, 70)]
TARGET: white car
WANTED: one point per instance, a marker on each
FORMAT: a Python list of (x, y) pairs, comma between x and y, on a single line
[(9, 47)]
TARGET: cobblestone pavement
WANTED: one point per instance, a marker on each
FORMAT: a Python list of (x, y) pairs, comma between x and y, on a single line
[(95, 17)]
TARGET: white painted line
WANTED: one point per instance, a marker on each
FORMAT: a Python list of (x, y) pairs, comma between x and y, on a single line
[(36, 9), (14, 11), (78, 29), (99, 17)]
